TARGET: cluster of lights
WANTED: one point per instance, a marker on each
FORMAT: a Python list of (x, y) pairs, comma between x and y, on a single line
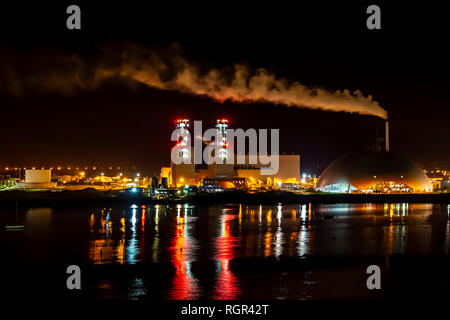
[(443, 172), (182, 123), (391, 186), (59, 168)]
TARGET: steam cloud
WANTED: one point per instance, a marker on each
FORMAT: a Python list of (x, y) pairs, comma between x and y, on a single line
[(237, 84)]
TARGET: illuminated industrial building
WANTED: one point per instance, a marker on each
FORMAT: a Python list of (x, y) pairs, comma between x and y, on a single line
[(225, 175), (379, 171)]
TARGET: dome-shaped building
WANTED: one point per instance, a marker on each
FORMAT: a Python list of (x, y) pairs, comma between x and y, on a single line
[(373, 172)]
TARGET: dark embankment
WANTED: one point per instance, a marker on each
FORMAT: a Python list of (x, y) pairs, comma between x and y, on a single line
[(92, 196)]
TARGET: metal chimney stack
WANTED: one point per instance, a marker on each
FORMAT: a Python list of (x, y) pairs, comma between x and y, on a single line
[(387, 136)]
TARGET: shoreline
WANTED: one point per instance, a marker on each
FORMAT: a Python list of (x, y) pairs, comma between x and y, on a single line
[(83, 197)]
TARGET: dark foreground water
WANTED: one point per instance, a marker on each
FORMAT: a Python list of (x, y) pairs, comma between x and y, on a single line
[(228, 251)]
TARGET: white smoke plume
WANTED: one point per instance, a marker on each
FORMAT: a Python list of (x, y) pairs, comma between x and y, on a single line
[(239, 85)]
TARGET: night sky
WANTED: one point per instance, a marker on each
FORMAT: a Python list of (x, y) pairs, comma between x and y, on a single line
[(405, 66)]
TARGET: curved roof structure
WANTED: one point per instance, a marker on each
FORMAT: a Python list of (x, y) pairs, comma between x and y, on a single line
[(361, 171)]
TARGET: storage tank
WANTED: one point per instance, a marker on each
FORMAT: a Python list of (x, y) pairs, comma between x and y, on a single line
[(38, 178), (370, 170)]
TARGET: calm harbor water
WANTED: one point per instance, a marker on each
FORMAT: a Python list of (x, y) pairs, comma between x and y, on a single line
[(230, 251)]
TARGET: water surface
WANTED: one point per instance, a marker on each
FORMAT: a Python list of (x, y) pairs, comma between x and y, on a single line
[(231, 251)]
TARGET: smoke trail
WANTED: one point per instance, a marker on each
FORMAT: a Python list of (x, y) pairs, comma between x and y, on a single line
[(239, 85)]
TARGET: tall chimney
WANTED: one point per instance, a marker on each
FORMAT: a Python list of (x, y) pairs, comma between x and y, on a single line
[(387, 136)]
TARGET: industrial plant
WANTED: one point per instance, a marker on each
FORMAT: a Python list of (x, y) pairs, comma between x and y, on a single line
[(241, 176), (378, 170)]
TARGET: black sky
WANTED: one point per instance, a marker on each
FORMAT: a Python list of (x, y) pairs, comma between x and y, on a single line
[(405, 66)]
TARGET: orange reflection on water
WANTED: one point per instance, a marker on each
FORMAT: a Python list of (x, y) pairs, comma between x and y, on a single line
[(292, 244), (105, 250), (240, 218), (101, 251), (143, 219), (268, 243), (309, 212), (226, 287), (269, 217), (252, 215), (294, 214), (92, 223)]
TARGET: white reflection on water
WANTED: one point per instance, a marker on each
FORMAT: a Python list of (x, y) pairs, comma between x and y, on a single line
[(303, 212), (278, 233), (108, 225), (302, 241), (137, 289), (132, 244), (155, 246), (260, 214)]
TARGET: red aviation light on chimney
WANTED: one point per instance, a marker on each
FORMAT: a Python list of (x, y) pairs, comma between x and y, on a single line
[(182, 123)]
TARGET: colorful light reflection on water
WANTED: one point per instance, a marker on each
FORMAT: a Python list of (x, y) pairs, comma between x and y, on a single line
[(229, 251), (194, 239)]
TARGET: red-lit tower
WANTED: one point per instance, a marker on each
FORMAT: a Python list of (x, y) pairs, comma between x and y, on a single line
[(183, 125), (222, 125)]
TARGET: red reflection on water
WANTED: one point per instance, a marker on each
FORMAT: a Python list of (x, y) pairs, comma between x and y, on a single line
[(184, 286), (143, 220), (142, 242), (227, 287)]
